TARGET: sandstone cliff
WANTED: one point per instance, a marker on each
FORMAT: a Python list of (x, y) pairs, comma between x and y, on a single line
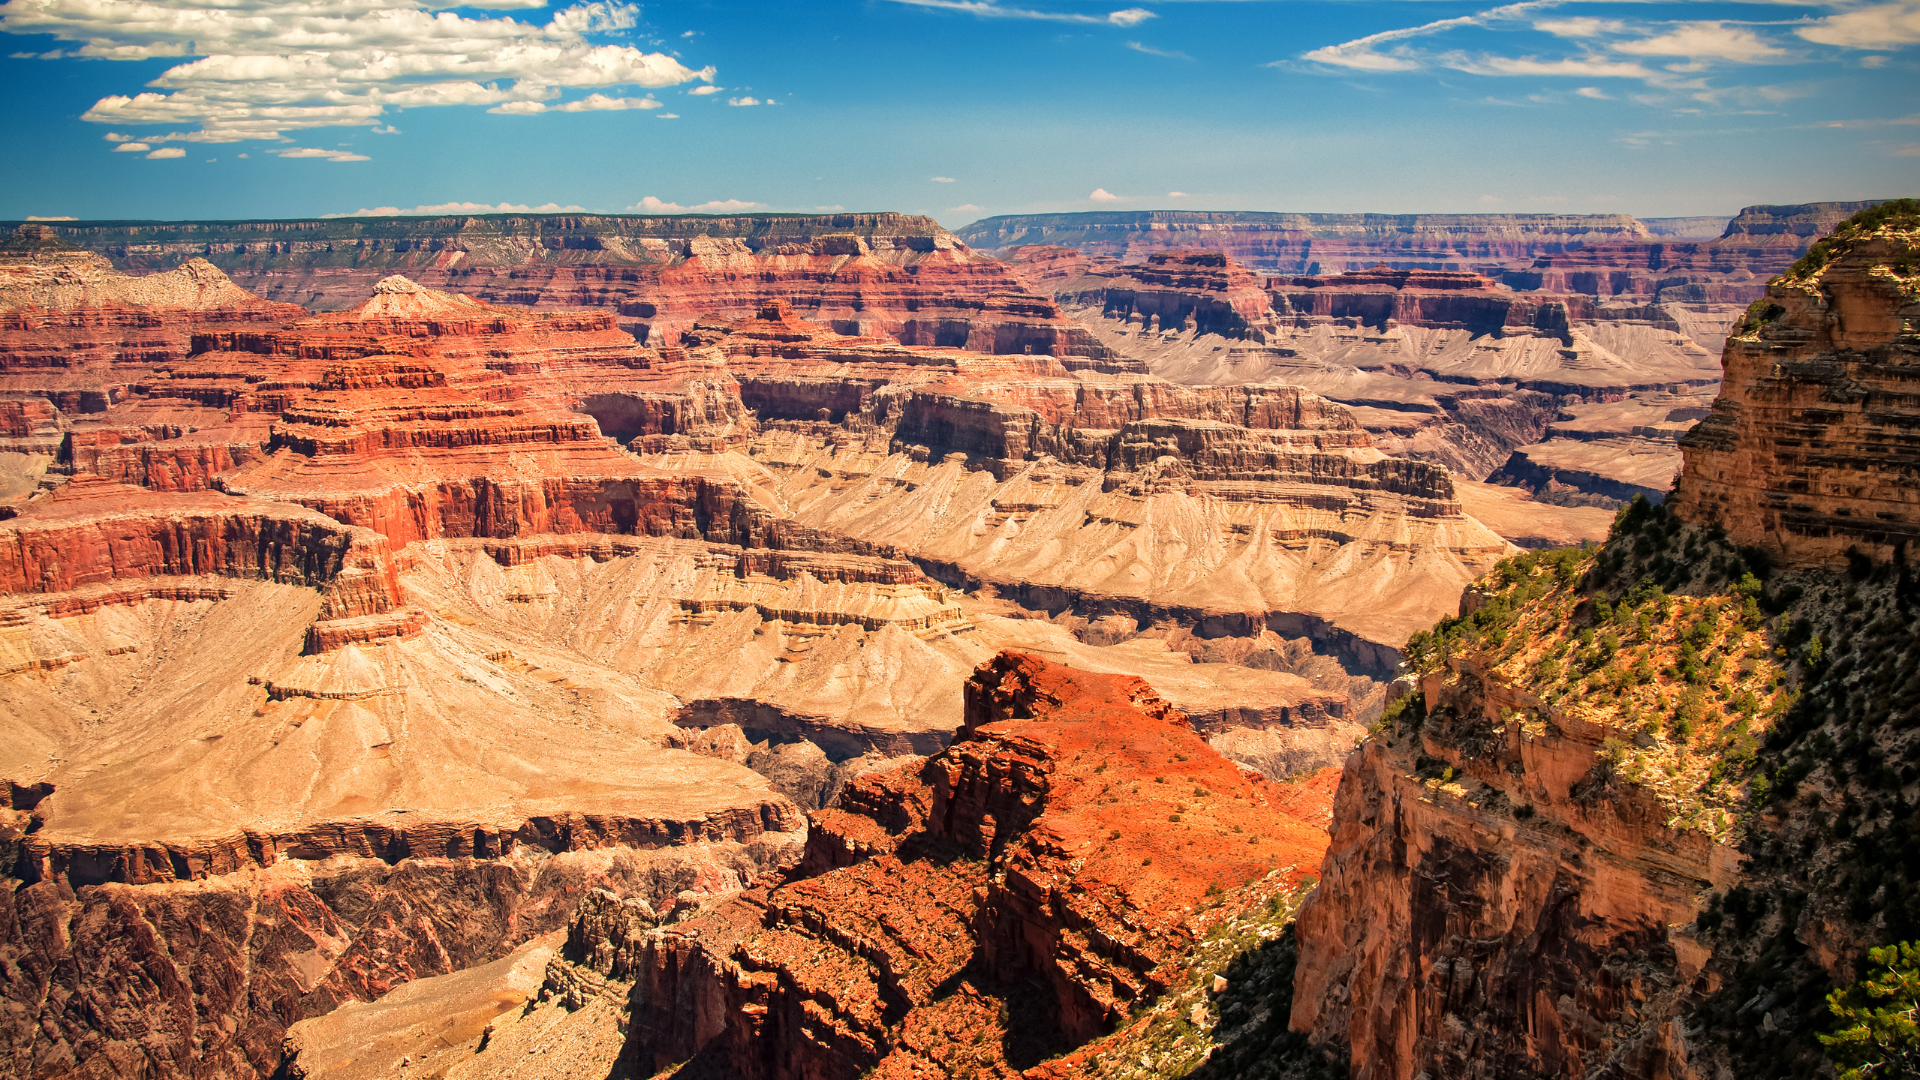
[(1639, 809), (1810, 452)]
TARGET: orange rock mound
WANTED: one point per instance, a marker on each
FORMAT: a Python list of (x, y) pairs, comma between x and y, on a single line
[(1048, 863)]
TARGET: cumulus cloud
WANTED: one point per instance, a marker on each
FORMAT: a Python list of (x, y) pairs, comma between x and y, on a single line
[(989, 10), (702, 91), (1880, 26), (56, 217), (743, 102), (1101, 194), (944, 180), (166, 152), (1593, 92), (653, 205), (1176, 194), (666, 116), (443, 209), (114, 136), (834, 209), (314, 152), (257, 68), (132, 147), (963, 208)]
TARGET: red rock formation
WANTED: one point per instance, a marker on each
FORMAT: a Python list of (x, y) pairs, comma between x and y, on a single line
[(1038, 850), (1810, 451), (93, 532)]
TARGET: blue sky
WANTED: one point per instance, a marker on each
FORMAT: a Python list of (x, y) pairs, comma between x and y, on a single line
[(955, 108)]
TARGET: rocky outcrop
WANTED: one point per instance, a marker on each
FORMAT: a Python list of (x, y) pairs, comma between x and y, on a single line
[(934, 892), (1810, 450)]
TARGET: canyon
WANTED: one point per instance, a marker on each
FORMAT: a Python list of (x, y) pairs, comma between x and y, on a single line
[(433, 616), (789, 646)]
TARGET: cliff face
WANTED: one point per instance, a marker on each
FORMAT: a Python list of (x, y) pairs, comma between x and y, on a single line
[(1640, 808), (1811, 451)]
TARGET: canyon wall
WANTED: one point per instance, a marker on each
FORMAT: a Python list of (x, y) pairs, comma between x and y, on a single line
[(1637, 810)]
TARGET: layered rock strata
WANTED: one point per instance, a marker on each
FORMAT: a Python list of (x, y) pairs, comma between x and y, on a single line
[(1012, 472), (895, 275), (1441, 365), (1811, 450)]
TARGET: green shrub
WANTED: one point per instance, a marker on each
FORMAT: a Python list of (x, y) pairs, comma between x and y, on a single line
[(1876, 1035)]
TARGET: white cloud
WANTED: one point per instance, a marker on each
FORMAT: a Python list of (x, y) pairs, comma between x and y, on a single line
[(944, 180), (132, 148), (1583, 26), (590, 103), (1103, 195), (166, 152), (1360, 54), (1151, 51), (834, 209), (1176, 194), (1710, 40), (743, 102), (1584, 67), (701, 91), (56, 217), (316, 152), (667, 116), (254, 69), (243, 155), (986, 9), (1609, 48), (654, 205), (114, 136), (1880, 26), (444, 209), (963, 208)]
